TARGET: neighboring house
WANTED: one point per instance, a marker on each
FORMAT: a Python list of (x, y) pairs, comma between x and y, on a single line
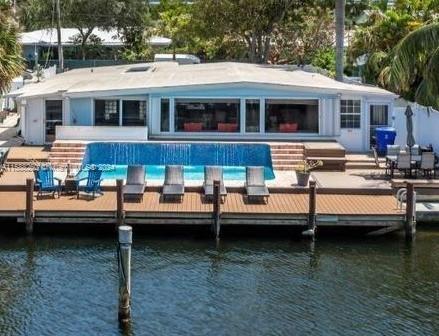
[(215, 101), (179, 58), (36, 42)]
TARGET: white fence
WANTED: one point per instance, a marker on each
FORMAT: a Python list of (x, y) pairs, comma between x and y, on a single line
[(425, 126), (102, 133)]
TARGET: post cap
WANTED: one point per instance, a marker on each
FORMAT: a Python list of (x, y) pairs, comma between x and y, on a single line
[(125, 234)]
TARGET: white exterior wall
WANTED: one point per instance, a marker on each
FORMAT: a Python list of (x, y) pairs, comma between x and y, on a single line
[(425, 126), (79, 111), (34, 121)]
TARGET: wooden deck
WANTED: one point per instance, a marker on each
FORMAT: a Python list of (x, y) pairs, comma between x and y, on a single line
[(282, 209)]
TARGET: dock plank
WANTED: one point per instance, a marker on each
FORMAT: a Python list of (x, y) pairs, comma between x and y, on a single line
[(194, 203)]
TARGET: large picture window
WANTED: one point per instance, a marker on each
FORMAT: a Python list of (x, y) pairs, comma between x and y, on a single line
[(292, 116), (133, 113), (207, 115), (350, 113), (107, 113)]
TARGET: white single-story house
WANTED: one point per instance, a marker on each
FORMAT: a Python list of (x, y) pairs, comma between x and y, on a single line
[(212, 101), (33, 41)]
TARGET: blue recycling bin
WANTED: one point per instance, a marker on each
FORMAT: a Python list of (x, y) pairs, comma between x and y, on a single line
[(384, 136)]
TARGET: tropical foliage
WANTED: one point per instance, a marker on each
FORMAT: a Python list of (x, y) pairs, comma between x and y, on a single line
[(414, 66), (11, 62), (129, 17), (399, 48)]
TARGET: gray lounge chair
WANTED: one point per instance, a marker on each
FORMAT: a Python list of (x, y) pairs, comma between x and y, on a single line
[(427, 165), (174, 182), (135, 184), (255, 186), (211, 174)]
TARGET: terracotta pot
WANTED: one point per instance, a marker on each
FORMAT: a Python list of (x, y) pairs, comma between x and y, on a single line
[(302, 178)]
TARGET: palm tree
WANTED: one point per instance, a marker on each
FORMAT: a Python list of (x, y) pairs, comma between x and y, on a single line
[(339, 38), (11, 61), (414, 66)]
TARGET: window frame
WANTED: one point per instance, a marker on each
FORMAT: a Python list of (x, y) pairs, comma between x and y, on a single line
[(120, 101), (352, 113), (267, 100), (203, 99)]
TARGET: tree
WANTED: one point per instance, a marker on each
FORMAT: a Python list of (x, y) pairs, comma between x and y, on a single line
[(250, 22), (126, 16), (339, 39), (307, 30), (414, 68), (175, 22), (11, 61)]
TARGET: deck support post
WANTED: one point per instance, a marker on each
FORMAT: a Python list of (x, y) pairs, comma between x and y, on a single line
[(120, 213), (29, 212), (216, 209), (124, 268), (310, 232), (410, 212)]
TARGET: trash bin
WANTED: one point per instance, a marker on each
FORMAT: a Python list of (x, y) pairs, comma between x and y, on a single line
[(384, 136)]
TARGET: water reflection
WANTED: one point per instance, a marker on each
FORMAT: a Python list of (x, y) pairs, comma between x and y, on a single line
[(330, 286)]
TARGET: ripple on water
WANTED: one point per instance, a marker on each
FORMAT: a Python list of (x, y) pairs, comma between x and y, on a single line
[(241, 287)]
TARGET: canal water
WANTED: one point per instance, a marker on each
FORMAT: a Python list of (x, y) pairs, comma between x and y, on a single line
[(58, 285)]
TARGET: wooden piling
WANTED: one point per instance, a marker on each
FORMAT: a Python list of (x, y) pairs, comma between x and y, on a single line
[(120, 213), (216, 208), (310, 232), (124, 266), (410, 212), (29, 212)]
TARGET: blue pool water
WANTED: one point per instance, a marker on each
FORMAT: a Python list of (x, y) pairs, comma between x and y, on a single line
[(114, 157)]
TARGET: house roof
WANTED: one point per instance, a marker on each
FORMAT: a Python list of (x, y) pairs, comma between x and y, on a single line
[(45, 37), (144, 78)]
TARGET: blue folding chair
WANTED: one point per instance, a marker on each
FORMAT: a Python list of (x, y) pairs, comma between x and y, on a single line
[(45, 181), (93, 184)]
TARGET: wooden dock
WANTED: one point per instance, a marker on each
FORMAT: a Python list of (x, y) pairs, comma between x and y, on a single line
[(285, 209)]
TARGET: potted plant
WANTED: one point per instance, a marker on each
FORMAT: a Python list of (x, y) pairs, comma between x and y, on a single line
[(303, 171)]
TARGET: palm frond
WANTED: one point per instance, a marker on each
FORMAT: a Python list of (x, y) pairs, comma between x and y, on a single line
[(411, 57)]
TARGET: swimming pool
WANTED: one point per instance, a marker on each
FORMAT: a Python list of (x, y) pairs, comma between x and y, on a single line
[(114, 157)]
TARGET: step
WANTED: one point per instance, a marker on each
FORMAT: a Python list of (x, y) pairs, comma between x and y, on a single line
[(284, 167), (68, 149), (287, 147), (68, 144), (283, 156), (66, 154), (281, 145), (286, 162), (65, 161), (287, 151)]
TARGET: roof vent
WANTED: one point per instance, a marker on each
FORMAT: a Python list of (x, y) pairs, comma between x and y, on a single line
[(139, 69)]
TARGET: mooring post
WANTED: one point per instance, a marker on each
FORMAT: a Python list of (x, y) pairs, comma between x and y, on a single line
[(410, 211), (120, 213), (216, 208), (310, 232), (29, 213), (124, 266)]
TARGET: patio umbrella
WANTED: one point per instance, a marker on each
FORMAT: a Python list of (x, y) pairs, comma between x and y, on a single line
[(409, 124)]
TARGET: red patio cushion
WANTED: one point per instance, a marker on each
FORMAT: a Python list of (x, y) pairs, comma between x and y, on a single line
[(193, 127), (227, 127), (288, 127)]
